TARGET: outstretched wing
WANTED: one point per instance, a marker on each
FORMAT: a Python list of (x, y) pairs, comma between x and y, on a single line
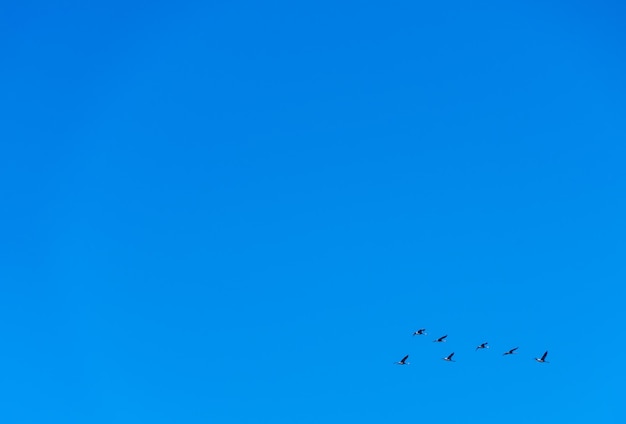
[(451, 355), (405, 358), (443, 337), (543, 358)]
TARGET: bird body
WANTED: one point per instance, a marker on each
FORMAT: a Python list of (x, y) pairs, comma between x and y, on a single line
[(403, 361), (543, 358), (449, 358)]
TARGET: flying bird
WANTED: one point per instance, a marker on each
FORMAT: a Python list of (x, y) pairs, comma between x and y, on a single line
[(543, 358), (420, 332), (403, 361), (483, 346), (441, 339), (511, 352), (449, 357)]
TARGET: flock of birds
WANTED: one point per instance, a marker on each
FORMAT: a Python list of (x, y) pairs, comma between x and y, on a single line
[(485, 345)]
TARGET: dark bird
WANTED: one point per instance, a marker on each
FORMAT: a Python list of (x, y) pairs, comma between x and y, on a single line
[(403, 361), (441, 339), (449, 357), (420, 332), (511, 352), (543, 358), (482, 346)]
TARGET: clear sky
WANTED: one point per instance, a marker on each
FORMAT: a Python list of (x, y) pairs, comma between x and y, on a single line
[(238, 212)]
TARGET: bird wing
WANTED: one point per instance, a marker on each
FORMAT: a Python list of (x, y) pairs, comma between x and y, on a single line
[(451, 355), (443, 337), (543, 358), (514, 349), (405, 358)]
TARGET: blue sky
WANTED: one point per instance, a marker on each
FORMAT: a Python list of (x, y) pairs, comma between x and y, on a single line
[(239, 212)]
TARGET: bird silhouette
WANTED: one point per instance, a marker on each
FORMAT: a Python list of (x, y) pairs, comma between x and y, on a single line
[(403, 361), (510, 352), (482, 346), (543, 358), (449, 358), (441, 339)]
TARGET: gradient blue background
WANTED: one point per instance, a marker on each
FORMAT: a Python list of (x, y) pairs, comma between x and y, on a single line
[(239, 212)]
